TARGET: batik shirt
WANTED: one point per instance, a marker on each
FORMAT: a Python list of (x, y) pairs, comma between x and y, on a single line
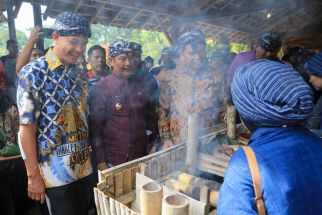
[(183, 94), (55, 98)]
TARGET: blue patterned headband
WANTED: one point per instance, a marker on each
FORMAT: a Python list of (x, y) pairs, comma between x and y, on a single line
[(72, 24), (118, 47)]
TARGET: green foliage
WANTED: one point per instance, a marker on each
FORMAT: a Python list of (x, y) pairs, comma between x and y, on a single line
[(4, 36), (239, 47), (214, 46), (152, 42)]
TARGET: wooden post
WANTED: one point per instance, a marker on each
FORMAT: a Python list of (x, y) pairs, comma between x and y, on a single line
[(192, 144), (231, 122), (11, 21), (38, 21)]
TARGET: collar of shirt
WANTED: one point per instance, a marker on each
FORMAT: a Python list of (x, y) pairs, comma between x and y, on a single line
[(52, 59)]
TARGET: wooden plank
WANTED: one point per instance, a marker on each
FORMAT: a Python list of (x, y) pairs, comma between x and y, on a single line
[(178, 160), (110, 191), (127, 181), (154, 168), (143, 169), (97, 204), (213, 160), (101, 202), (134, 170), (128, 211), (168, 166), (162, 165), (135, 162), (123, 208), (158, 170), (112, 206), (101, 185), (107, 206), (211, 169), (148, 163), (173, 161), (117, 208), (126, 198), (118, 184), (205, 197)]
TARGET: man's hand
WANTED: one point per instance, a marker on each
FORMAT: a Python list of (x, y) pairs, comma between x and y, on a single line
[(102, 166), (166, 144), (35, 34), (36, 188)]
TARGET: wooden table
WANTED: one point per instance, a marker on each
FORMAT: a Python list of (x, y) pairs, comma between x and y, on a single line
[(9, 158)]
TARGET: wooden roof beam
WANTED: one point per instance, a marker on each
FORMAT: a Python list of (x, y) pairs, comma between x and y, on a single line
[(257, 6)]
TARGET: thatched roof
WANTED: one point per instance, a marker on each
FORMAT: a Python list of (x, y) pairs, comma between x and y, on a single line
[(240, 20)]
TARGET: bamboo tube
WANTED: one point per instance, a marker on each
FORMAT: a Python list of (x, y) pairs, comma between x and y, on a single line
[(151, 199), (231, 122), (181, 187), (192, 144), (175, 205)]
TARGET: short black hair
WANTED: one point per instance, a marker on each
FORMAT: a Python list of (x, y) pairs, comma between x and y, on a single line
[(96, 47), (149, 59), (11, 41)]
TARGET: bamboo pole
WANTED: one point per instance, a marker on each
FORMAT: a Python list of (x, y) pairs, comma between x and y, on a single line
[(231, 122), (192, 144)]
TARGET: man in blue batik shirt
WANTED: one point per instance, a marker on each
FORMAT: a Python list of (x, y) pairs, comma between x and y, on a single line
[(274, 102), (52, 102)]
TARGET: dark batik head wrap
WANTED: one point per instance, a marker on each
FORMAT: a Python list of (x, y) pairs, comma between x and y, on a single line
[(72, 24), (314, 65), (192, 37), (268, 93), (118, 47), (270, 41), (136, 47)]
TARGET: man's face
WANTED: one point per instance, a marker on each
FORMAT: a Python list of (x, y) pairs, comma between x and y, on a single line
[(13, 49), (97, 60), (194, 57), (35, 54), (80, 63), (69, 48), (123, 65), (316, 82)]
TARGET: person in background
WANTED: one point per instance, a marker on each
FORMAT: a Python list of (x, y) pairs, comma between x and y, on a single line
[(188, 89), (267, 46), (81, 63), (165, 62), (313, 69), (274, 102), (13, 176), (35, 54), (9, 63), (119, 111), (149, 84), (29, 53), (149, 63), (97, 60), (52, 103)]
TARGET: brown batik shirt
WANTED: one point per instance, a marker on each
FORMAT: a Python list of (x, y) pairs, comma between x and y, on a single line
[(183, 94)]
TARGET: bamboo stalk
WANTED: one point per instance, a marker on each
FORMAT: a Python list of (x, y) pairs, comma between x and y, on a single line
[(231, 122), (151, 199)]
